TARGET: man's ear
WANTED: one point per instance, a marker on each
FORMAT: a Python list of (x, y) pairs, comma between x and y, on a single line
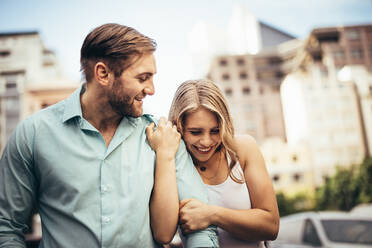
[(102, 73)]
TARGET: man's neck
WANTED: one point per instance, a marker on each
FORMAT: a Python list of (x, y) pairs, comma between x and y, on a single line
[(96, 110)]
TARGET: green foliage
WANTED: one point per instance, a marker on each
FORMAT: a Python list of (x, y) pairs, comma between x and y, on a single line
[(289, 205), (343, 191), (340, 192), (365, 177)]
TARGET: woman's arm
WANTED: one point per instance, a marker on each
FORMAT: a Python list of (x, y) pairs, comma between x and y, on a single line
[(164, 199), (259, 223)]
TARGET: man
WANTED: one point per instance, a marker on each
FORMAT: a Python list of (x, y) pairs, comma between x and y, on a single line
[(86, 162)]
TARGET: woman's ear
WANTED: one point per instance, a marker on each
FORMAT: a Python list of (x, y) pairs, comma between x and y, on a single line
[(102, 73)]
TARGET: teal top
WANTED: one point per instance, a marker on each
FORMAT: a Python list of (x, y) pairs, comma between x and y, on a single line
[(88, 195)]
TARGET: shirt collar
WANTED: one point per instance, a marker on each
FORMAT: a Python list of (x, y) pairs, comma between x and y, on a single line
[(73, 108), (73, 105)]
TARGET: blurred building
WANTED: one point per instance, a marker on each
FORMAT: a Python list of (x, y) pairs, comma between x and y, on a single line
[(290, 167), (251, 85), (344, 45), (30, 79), (362, 78), (248, 35), (322, 110), (245, 34)]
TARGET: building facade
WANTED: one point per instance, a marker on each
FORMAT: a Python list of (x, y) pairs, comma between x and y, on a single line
[(27, 69), (362, 78), (290, 167), (344, 45), (251, 84), (332, 115)]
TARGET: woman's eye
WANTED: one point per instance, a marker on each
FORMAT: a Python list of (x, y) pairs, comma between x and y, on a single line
[(216, 131), (195, 132)]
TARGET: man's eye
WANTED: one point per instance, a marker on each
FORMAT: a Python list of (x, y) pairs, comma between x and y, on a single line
[(142, 79)]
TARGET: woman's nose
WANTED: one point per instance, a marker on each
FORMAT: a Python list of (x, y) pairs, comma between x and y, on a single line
[(206, 140)]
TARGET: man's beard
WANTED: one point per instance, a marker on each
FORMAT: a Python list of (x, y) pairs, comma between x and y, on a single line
[(120, 102)]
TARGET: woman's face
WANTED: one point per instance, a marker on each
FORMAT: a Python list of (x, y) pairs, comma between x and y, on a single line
[(201, 134)]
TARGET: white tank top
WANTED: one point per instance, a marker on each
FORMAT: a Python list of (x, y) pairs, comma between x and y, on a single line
[(230, 194)]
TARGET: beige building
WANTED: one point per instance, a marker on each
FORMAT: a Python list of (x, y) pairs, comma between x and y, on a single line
[(324, 111), (362, 79), (251, 85), (30, 79), (290, 167)]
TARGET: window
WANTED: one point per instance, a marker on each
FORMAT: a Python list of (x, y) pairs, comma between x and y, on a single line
[(274, 160), (297, 177), (348, 231), (240, 61), (259, 76), (356, 53), (339, 54), (223, 62), (275, 60), (228, 92), (279, 75), (246, 90), (353, 35), (243, 75), (262, 90), (4, 54), (276, 178), (275, 88), (294, 158), (11, 85), (48, 63), (310, 235), (225, 77)]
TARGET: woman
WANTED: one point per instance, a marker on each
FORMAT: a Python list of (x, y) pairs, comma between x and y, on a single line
[(242, 201)]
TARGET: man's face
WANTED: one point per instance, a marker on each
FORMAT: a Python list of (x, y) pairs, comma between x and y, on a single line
[(127, 91)]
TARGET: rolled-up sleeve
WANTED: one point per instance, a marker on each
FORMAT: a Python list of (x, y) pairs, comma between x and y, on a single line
[(17, 185), (190, 185)]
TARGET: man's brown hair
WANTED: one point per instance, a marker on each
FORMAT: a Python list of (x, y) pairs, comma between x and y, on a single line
[(116, 45)]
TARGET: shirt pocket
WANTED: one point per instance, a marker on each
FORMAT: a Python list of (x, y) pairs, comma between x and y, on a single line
[(137, 170)]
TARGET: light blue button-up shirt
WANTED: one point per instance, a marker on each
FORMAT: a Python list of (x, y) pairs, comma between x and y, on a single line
[(88, 195)]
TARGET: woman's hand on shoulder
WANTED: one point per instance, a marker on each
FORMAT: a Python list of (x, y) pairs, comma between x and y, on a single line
[(194, 215), (165, 138)]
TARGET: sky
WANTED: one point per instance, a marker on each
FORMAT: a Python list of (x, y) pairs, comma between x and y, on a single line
[(63, 26)]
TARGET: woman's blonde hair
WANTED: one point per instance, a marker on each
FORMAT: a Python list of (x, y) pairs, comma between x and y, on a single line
[(194, 94)]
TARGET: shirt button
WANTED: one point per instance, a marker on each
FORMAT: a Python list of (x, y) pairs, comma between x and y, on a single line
[(104, 188), (106, 219)]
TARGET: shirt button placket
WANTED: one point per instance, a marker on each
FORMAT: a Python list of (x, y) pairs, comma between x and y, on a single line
[(107, 210)]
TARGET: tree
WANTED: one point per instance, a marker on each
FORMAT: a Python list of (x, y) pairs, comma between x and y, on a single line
[(365, 181)]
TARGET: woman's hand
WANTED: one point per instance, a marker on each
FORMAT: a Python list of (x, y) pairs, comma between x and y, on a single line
[(164, 204), (165, 138), (194, 215)]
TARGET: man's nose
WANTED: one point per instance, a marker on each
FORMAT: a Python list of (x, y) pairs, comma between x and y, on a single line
[(149, 89)]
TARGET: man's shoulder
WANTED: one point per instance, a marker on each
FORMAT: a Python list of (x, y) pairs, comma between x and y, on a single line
[(49, 115), (54, 111)]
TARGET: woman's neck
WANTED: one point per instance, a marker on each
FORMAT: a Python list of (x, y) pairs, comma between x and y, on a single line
[(214, 170)]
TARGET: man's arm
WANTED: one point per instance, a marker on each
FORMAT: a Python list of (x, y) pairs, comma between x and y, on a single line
[(190, 185), (17, 186)]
